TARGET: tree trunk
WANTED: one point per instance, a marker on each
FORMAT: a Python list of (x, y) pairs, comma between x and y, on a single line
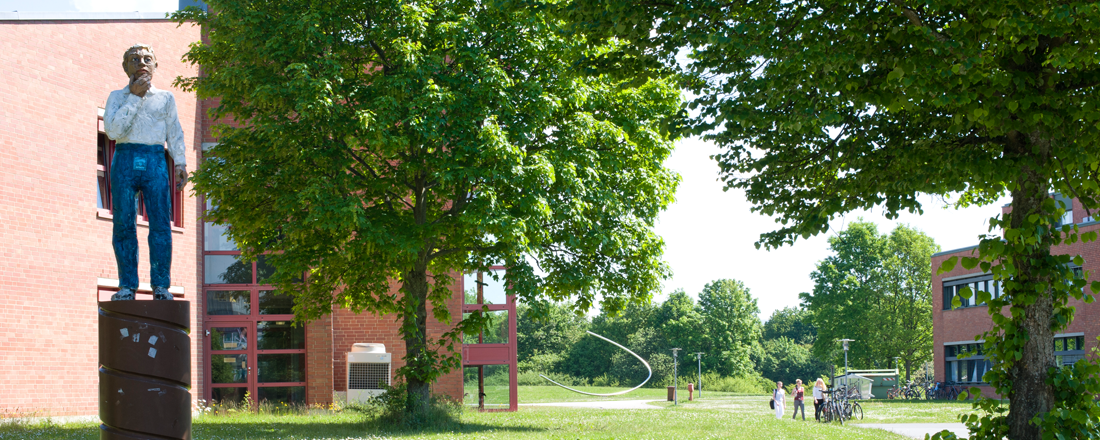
[(415, 329), (1030, 394)]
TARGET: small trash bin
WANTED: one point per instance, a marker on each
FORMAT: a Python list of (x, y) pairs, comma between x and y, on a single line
[(671, 394)]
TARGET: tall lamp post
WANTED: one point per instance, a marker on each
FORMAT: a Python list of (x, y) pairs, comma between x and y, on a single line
[(846, 388), (699, 358), (675, 386)]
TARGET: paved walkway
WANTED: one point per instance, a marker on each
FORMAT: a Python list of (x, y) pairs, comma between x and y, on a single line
[(917, 430), (609, 404)]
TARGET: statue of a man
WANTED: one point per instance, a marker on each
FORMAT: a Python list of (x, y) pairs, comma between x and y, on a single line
[(142, 120)]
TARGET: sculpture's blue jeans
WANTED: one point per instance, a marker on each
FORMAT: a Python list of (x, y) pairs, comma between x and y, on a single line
[(139, 167)]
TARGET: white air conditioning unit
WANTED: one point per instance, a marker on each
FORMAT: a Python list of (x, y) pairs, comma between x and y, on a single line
[(368, 371)]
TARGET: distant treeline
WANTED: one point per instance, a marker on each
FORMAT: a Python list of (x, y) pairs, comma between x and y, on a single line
[(874, 289)]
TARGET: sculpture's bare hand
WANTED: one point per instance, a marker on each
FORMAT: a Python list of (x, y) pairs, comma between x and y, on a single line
[(181, 175), (140, 82)]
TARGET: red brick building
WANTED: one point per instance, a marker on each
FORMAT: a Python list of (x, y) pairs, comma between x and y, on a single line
[(954, 329), (56, 71)]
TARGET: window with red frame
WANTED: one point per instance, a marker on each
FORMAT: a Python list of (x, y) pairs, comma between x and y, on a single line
[(105, 151)]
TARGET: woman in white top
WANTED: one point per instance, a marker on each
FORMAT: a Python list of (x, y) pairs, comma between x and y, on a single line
[(819, 398), (780, 397)]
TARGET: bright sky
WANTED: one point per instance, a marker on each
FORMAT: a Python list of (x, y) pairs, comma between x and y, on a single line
[(89, 5), (709, 234)]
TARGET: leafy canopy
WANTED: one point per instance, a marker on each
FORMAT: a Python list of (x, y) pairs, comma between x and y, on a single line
[(876, 289), (370, 142), (828, 106)]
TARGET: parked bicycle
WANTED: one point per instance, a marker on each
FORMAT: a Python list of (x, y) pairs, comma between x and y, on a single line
[(832, 412), (943, 391), (853, 410)]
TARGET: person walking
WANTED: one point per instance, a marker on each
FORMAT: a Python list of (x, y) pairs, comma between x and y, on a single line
[(799, 395), (819, 398), (779, 396)]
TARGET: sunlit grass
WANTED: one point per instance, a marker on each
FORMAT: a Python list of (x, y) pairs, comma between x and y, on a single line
[(716, 415)]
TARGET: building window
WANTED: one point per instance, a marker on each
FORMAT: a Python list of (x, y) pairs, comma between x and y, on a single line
[(964, 363), (981, 283), (1068, 349), (1067, 204), (105, 151)]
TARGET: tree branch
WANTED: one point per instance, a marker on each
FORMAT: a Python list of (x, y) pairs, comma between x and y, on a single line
[(389, 201), (915, 19)]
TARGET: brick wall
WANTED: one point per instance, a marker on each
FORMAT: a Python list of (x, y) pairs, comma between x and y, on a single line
[(964, 324), (349, 328), (319, 361), (53, 77)]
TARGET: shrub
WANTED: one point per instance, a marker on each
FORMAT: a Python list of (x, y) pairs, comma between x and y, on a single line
[(388, 410)]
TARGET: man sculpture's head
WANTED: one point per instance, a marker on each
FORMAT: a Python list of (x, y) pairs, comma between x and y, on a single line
[(139, 58)]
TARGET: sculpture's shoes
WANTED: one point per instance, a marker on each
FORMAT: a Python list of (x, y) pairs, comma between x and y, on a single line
[(123, 294), (162, 293)]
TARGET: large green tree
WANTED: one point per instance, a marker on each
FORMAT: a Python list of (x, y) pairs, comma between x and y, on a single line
[(732, 327), (794, 323), (376, 141), (824, 107), (906, 306), (876, 289)]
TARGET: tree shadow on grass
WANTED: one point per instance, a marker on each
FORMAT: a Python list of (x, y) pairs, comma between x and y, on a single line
[(228, 427), (341, 430), (48, 431)]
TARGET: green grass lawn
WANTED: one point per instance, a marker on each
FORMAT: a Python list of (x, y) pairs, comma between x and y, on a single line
[(717, 415)]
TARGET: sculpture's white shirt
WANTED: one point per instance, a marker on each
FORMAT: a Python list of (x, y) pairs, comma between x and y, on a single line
[(150, 120)]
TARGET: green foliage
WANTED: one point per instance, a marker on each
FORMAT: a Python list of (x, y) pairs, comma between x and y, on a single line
[(794, 323), (826, 107), (784, 360), (731, 327), (367, 142), (648, 344), (591, 357), (877, 290), (542, 341), (723, 325), (388, 409), (750, 384)]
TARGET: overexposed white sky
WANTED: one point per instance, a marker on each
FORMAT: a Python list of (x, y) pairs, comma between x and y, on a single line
[(708, 233), (89, 5)]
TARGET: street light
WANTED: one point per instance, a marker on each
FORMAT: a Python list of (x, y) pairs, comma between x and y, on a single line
[(845, 342), (699, 358), (675, 386)]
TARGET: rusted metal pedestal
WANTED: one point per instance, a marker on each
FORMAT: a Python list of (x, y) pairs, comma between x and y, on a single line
[(145, 370)]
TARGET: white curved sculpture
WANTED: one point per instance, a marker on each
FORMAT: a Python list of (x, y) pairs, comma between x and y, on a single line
[(609, 394)]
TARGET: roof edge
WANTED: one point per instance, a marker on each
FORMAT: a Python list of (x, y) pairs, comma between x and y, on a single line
[(77, 16), (952, 251)]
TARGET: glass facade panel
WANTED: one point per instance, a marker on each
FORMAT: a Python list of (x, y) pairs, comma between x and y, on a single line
[(228, 338), (272, 302), (496, 386), (228, 302), (285, 367), (215, 238), (228, 395), (280, 335), (493, 291), (263, 270), (495, 332), (227, 269), (287, 395), (228, 368)]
